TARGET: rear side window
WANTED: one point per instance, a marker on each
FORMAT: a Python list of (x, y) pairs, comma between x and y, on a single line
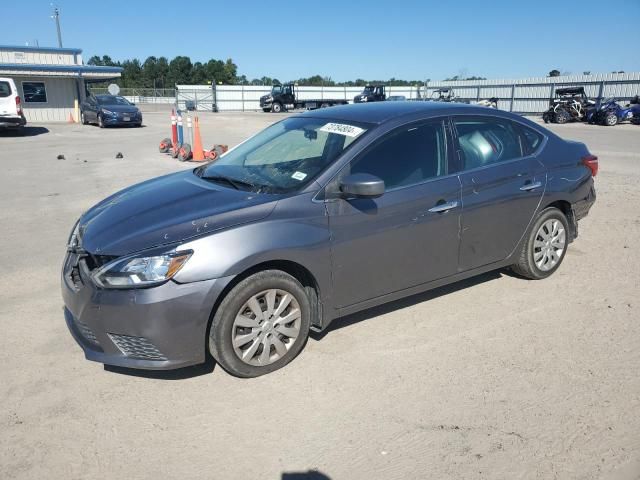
[(34, 92), (407, 156), (484, 141), (5, 89), (531, 140)]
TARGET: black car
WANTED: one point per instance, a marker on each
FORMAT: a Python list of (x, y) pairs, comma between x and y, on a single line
[(108, 110)]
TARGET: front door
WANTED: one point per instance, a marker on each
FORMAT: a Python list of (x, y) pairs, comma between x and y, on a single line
[(409, 235)]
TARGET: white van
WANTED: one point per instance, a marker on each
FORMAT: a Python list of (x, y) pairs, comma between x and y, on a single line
[(11, 114)]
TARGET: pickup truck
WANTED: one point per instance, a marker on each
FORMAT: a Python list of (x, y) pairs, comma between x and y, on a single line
[(283, 97), (371, 93)]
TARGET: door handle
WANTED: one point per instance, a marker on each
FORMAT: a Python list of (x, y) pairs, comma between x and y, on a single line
[(443, 207), (531, 186)]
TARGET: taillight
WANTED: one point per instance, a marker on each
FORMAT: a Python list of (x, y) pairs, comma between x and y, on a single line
[(18, 106), (591, 162)]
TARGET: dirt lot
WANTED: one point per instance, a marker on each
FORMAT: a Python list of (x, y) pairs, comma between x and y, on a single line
[(495, 377)]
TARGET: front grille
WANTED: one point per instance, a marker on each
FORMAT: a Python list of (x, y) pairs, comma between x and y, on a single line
[(86, 332), (136, 347)]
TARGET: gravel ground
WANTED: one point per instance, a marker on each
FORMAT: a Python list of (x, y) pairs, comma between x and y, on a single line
[(494, 377)]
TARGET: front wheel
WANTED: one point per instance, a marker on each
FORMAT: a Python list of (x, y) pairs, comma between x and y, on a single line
[(261, 324), (83, 119), (610, 120), (547, 117), (545, 247), (562, 116), (100, 121), (276, 107)]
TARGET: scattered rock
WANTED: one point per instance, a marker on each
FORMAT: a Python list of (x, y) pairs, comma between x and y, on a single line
[(119, 155), (60, 157)]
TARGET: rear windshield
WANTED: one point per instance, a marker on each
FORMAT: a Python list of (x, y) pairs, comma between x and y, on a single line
[(5, 89)]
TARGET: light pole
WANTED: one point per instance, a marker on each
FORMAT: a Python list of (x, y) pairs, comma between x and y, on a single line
[(56, 17)]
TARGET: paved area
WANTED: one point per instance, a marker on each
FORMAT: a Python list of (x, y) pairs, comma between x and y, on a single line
[(494, 377)]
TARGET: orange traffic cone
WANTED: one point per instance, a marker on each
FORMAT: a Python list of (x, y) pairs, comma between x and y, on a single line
[(198, 152)]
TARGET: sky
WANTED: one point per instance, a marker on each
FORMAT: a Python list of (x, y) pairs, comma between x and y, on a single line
[(345, 40)]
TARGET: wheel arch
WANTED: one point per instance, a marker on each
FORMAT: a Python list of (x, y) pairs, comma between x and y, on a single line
[(565, 207), (298, 271)]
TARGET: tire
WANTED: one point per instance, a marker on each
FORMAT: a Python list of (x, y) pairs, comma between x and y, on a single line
[(100, 121), (547, 117), (562, 117), (224, 327), (533, 263), (610, 120), (276, 107), (184, 152), (324, 105), (83, 119)]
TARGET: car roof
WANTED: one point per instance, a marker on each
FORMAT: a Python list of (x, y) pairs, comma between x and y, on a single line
[(380, 112)]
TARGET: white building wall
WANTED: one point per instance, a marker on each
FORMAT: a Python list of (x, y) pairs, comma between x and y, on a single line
[(35, 57), (61, 93)]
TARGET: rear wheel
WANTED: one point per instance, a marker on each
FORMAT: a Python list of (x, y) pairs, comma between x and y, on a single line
[(545, 247), (276, 107), (562, 116), (610, 120), (261, 324)]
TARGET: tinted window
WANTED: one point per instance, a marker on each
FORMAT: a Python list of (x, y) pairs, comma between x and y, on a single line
[(34, 92), (484, 141), (5, 89), (531, 140), (407, 156)]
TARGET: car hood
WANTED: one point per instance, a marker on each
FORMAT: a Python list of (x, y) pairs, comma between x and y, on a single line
[(167, 210), (120, 108)]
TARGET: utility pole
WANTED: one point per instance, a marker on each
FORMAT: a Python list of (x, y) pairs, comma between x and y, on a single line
[(56, 17)]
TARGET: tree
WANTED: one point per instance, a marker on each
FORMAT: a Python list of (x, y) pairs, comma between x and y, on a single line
[(179, 71), (554, 73)]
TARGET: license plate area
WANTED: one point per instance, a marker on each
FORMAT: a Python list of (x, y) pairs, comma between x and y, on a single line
[(126, 119)]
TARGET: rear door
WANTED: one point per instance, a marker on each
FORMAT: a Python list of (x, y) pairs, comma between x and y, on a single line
[(502, 186), (7, 98)]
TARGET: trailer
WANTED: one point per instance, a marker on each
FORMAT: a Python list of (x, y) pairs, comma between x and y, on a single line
[(284, 97)]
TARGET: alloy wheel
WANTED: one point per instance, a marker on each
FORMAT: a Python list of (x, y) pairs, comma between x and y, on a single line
[(549, 244), (266, 327)]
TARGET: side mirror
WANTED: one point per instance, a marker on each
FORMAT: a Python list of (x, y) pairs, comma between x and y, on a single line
[(362, 185)]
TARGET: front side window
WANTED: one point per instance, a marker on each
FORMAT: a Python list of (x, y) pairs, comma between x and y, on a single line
[(34, 92), (284, 157), (407, 156), (484, 141), (5, 89)]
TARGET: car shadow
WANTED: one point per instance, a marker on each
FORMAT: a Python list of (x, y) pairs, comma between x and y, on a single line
[(179, 374), (26, 132), (406, 302), (309, 475)]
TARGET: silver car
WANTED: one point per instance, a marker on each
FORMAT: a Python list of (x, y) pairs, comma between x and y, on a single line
[(318, 216)]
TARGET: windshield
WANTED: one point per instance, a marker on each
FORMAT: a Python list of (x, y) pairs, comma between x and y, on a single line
[(112, 100), (276, 90), (368, 89), (284, 157)]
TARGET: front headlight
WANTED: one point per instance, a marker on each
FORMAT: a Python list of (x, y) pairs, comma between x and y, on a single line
[(72, 242), (364, 99), (108, 112), (140, 271)]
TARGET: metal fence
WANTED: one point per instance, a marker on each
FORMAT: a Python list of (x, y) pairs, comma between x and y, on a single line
[(526, 96), (532, 95), (142, 95)]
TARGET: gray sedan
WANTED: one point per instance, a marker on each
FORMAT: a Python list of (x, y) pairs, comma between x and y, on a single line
[(318, 216)]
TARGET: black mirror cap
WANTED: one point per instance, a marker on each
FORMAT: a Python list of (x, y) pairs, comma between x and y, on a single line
[(362, 185)]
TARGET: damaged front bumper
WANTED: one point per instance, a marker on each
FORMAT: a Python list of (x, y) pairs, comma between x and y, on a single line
[(160, 328)]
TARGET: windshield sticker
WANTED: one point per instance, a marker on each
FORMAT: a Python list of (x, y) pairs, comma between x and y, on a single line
[(342, 129), (299, 176)]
